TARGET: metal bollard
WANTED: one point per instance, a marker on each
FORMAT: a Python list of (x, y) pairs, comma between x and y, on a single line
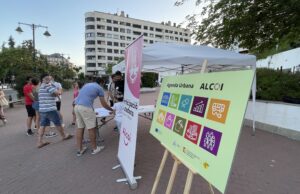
[(11, 105)]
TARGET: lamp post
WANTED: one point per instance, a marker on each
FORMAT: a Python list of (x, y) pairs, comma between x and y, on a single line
[(33, 27)]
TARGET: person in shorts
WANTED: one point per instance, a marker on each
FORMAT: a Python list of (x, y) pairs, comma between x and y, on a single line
[(86, 116), (28, 97), (48, 110)]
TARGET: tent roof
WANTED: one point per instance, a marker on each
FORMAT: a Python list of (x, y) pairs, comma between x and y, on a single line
[(160, 57)]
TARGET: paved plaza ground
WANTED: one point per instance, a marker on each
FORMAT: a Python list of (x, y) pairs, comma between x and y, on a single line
[(264, 164)]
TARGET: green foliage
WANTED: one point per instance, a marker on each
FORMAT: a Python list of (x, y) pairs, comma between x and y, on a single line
[(19, 62), (256, 25), (275, 85), (149, 80), (11, 42)]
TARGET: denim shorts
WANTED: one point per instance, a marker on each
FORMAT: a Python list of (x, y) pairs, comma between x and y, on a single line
[(35, 105), (46, 117)]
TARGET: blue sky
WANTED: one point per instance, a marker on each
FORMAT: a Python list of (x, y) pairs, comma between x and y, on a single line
[(65, 20)]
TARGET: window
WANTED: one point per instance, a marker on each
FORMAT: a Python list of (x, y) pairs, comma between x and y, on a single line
[(151, 41), (109, 50), (89, 50), (89, 42), (116, 29), (176, 32), (145, 34), (128, 24), (122, 23), (180, 33), (181, 39), (145, 40), (101, 50), (137, 33), (100, 57), (116, 36), (158, 29), (151, 35), (186, 40), (128, 31), (116, 58), (89, 19), (122, 51), (122, 30), (167, 37), (170, 31), (101, 42), (108, 21), (88, 27), (116, 22), (128, 38), (176, 38), (109, 28), (158, 36), (100, 34), (92, 57), (151, 28), (136, 26), (122, 44), (116, 51), (116, 44), (186, 34), (145, 27), (109, 43), (109, 58), (166, 31), (101, 64), (100, 19), (109, 35), (91, 64), (101, 27), (122, 37), (171, 37), (90, 34)]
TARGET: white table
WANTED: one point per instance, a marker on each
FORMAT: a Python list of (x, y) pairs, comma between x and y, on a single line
[(145, 111)]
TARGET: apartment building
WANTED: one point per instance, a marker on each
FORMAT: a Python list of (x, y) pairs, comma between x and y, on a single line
[(107, 36)]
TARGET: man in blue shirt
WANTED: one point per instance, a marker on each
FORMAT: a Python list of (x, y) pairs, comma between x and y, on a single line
[(85, 114), (48, 110)]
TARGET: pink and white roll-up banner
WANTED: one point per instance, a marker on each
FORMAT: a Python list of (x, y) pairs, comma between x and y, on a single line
[(128, 132)]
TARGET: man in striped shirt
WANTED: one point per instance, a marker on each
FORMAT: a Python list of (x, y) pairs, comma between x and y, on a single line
[(48, 110)]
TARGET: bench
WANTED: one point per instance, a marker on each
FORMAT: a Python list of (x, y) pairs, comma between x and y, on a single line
[(12, 101)]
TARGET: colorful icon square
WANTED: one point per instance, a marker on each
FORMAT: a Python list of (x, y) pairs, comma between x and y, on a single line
[(169, 120), (199, 106), (218, 110), (210, 140), (161, 117), (165, 99), (174, 99), (192, 132), (179, 125), (185, 103)]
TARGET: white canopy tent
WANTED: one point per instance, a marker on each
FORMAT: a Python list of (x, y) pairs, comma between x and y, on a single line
[(166, 57)]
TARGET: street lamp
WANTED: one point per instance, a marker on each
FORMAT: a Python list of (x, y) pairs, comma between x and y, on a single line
[(33, 27)]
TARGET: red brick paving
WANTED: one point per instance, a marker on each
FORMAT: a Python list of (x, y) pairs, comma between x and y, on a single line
[(264, 164)]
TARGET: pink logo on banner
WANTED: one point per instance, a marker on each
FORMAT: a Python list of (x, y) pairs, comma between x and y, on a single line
[(127, 136), (133, 56), (169, 120)]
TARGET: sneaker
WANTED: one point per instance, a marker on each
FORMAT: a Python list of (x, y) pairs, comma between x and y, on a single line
[(50, 134), (79, 153), (97, 150), (30, 133)]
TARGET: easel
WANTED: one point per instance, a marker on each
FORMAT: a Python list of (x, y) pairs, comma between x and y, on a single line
[(177, 162)]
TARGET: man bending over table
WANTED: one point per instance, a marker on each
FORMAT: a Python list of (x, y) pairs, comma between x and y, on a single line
[(86, 116)]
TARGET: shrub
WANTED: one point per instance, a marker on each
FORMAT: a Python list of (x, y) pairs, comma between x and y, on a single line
[(277, 85), (149, 80)]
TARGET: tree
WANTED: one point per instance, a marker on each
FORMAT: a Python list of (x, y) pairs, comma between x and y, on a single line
[(11, 42), (257, 25)]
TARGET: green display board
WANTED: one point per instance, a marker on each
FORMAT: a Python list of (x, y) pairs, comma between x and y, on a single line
[(198, 118)]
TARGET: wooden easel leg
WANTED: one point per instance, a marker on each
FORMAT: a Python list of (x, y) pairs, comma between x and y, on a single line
[(211, 189), (172, 177), (188, 182), (161, 167)]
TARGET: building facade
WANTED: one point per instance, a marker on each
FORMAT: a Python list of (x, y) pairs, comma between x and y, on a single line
[(107, 36), (59, 59)]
